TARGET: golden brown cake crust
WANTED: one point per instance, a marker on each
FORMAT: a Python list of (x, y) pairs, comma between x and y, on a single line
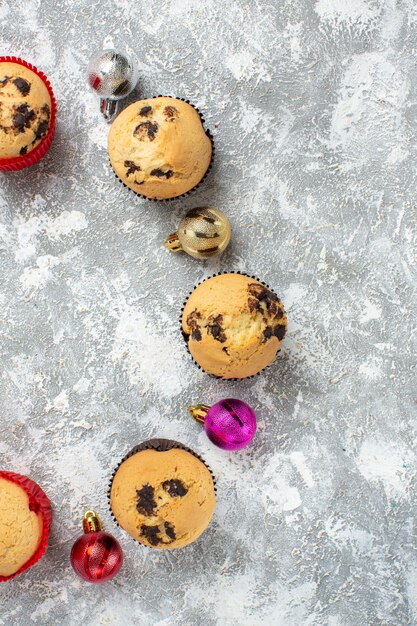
[(25, 110), (20, 528), (234, 325), (158, 147), (163, 499)]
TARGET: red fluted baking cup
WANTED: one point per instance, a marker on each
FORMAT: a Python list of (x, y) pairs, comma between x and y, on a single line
[(39, 503), (25, 160)]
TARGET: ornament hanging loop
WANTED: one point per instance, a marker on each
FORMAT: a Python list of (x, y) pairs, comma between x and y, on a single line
[(92, 522), (199, 412), (109, 109), (173, 243)]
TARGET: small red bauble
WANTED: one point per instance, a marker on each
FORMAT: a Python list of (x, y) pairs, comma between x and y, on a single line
[(96, 556)]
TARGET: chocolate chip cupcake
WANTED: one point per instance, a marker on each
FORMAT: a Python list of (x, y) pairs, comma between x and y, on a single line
[(159, 148), (25, 518), (233, 325), (27, 114), (163, 495)]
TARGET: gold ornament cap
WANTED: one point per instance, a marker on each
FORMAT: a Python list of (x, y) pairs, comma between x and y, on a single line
[(203, 232), (91, 522), (199, 412)]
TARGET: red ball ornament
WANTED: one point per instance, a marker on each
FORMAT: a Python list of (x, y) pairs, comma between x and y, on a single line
[(96, 556)]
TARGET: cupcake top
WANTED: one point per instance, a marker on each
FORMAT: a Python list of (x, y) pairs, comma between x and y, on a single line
[(159, 148), (25, 110), (234, 325), (20, 528), (163, 499)]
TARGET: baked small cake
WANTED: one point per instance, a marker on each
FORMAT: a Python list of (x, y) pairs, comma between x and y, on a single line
[(159, 148), (22, 523), (163, 499), (233, 325), (25, 110)]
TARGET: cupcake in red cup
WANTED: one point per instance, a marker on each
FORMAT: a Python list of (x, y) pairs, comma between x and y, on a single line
[(27, 114), (25, 522)]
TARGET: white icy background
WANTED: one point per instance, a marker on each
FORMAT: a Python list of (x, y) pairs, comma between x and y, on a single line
[(313, 108)]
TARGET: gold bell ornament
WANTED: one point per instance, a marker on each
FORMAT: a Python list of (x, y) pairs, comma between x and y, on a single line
[(203, 232)]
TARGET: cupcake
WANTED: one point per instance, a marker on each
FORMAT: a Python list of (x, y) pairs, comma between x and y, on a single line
[(159, 148), (163, 494), (233, 325), (25, 519), (27, 114)]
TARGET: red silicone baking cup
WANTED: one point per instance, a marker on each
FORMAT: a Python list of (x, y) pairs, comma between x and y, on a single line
[(38, 502), (25, 160)]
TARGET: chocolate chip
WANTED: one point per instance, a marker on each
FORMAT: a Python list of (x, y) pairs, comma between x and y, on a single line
[(263, 294), (132, 167), (151, 534), (175, 487), (268, 332), (169, 530), (146, 131), (279, 314), (196, 334), (170, 113), (253, 304), (23, 150), (22, 85), (4, 80), (279, 332), (23, 117), (145, 110), (226, 350), (46, 110), (146, 504), (42, 129), (215, 329), (192, 321), (161, 174)]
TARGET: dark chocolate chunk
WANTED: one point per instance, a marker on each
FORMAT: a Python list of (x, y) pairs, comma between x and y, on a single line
[(279, 332), (196, 334), (42, 129), (4, 80), (161, 174), (215, 329), (175, 487), (145, 110), (23, 117), (151, 533), (46, 110), (253, 304), (23, 150), (192, 321), (22, 85), (268, 332), (132, 167), (279, 314), (146, 131), (146, 504), (170, 113), (263, 294), (226, 350), (169, 530)]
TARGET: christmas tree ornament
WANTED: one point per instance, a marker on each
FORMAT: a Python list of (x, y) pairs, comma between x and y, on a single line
[(229, 424), (96, 556), (113, 76), (203, 232)]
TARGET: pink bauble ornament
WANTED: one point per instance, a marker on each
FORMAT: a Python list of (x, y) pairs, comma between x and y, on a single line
[(230, 424), (96, 556)]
